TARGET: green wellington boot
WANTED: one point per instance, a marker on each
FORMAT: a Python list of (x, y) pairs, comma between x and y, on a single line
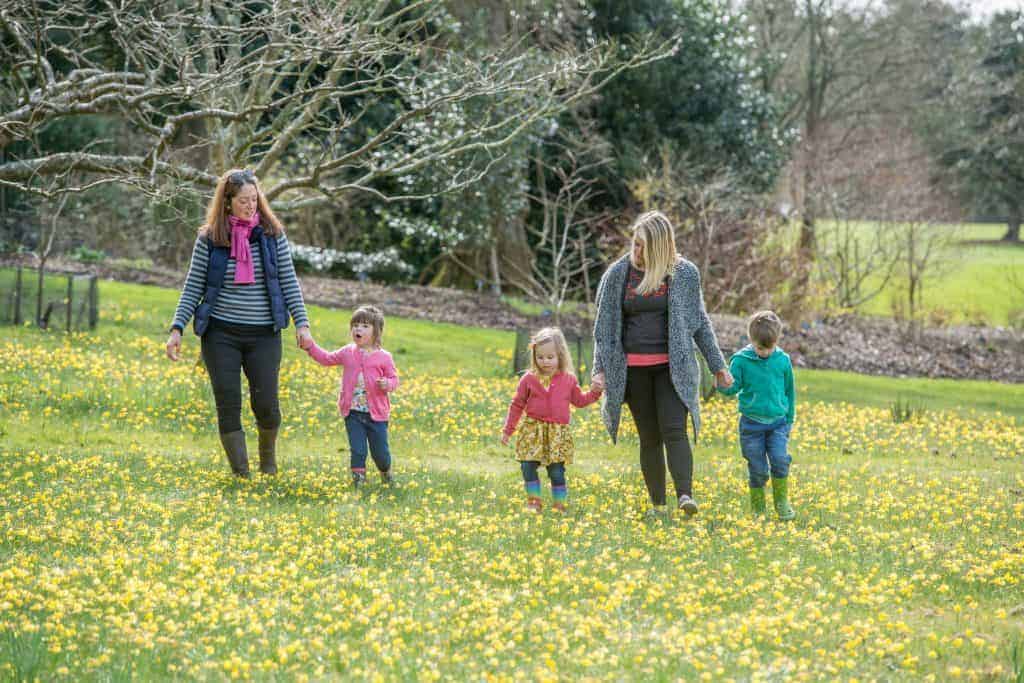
[(238, 457), (757, 504), (780, 493), (268, 453)]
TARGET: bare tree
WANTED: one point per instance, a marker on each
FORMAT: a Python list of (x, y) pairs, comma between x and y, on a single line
[(724, 231), (321, 99), (566, 184), (840, 67)]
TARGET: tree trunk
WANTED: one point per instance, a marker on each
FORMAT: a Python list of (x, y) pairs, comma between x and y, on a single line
[(1013, 224)]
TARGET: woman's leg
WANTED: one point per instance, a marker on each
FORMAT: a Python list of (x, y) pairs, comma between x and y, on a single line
[(222, 355), (261, 360), (640, 399), (672, 416)]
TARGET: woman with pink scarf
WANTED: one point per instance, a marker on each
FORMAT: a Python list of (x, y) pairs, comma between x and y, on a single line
[(241, 290)]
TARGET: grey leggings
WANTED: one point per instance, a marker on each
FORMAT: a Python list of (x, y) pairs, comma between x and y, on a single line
[(228, 349), (660, 417)]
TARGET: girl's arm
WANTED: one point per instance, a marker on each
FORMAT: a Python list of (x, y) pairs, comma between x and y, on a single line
[(390, 374), (580, 399), (516, 408), (325, 358), (736, 370)]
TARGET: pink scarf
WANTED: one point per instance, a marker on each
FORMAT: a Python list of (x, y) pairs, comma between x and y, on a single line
[(240, 229)]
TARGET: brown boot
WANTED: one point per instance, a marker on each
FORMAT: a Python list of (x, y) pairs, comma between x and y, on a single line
[(238, 457), (268, 454)]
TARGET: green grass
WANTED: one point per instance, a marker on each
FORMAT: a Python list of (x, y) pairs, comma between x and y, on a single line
[(126, 550), (971, 282)]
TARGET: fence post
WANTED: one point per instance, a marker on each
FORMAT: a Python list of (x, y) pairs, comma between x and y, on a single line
[(94, 302), (71, 287), (17, 297)]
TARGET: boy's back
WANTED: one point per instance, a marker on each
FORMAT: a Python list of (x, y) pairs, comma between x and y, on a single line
[(765, 385)]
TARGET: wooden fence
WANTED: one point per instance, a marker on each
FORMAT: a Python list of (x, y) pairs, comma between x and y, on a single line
[(57, 300)]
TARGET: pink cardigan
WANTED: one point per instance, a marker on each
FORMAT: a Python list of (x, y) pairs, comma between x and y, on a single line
[(547, 405), (373, 365)]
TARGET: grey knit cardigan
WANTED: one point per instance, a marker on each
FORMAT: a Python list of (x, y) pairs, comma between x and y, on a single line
[(688, 322)]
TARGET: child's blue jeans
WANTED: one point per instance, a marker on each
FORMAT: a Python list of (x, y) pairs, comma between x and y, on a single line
[(363, 430), (764, 447)]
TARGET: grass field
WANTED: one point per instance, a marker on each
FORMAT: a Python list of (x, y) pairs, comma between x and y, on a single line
[(126, 550), (972, 283)]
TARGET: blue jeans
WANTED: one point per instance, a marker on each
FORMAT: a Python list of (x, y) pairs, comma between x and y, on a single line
[(764, 447), (363, 430)]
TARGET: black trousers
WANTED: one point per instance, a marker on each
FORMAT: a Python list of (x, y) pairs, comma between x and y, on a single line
[(228, 349), (660, 417)]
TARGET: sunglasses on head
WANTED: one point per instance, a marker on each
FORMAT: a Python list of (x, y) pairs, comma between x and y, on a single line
[(243, 176)]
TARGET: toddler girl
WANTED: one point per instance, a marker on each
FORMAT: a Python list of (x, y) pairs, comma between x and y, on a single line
[(368, 377), (545, 392)]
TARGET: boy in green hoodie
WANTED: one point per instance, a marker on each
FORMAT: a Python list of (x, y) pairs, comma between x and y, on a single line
[(763, 378)]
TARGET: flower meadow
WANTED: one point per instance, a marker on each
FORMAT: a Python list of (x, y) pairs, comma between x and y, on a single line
[(127, 550)]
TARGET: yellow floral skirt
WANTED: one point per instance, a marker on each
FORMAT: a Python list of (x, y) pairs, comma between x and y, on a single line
[(544, 442)]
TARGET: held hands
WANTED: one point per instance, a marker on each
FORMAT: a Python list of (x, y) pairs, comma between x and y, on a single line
[(504, 439), (174, 345), (723, 378), (303, 338), (597, 381), (382, 383)]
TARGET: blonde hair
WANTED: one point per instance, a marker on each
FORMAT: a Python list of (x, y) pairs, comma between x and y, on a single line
[(554, 336), (655, 231), (764, 329), (231, 183), (372, 316)]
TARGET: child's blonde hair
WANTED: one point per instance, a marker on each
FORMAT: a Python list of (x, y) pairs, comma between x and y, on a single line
[(655, 230), (369, 315), (551, 335), (764, 329)]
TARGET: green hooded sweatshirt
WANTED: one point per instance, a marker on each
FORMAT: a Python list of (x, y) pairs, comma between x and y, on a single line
[(765, 385)]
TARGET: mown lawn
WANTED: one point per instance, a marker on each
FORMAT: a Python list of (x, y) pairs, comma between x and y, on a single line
[(126, 550), (975, 279)]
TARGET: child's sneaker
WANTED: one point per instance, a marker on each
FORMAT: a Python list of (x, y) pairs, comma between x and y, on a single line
[(688, 505), (358, 480), (533, 504), (559, 507)]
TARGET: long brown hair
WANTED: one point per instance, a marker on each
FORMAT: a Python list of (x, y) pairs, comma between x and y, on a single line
[(230, 184)]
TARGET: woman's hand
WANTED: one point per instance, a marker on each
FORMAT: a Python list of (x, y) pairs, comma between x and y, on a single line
[(504, 439), (174, 345), (597, 381), (303, 337), (723, 378)]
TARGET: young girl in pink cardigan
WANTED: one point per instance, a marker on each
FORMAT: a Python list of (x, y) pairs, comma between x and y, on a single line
[(544, 394), (368, 376)]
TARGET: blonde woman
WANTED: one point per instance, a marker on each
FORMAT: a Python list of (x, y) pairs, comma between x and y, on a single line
[(545, 393), (650, 315), (241, 289)]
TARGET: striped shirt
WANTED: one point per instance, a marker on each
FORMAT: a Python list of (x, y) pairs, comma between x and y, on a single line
[(242, 304)]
